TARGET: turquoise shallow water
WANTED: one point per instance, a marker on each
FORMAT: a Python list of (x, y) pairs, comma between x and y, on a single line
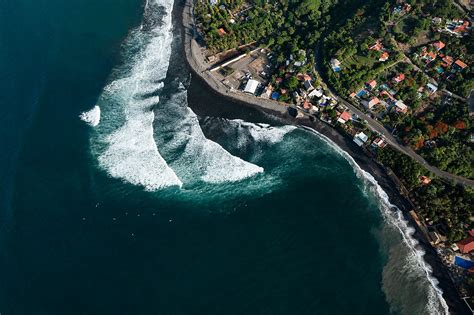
[(159, 211)]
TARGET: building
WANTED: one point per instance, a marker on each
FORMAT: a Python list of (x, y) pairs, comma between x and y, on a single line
[(308, 86), (371, 84), (251, 86), (401, 107), (316, 93), (384, 57), (466, 245), (373, 101), (399, 78), (460, 65), (439, 45), (432, 88), (360, 138), (344, 117), (379, 142), (425, 180), (335, 65)]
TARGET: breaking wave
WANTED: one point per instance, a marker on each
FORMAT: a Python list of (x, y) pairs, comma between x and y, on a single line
[(125, 147), (410, 264), (92, 117), (189, 152)]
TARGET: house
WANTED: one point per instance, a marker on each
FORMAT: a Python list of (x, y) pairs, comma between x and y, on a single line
[(379, 142), (384, 56), (466, 245), (308, 86), (399, 78), (307, 105), (335, 65), (432, 88), (316, 93), (425, 180), (251, 86), (371, 84), (377, 46), (373, 101), (401, 107), (439, 45), (307, 77), (448, 60), (268, 92), (460, 65), (344, 117), (360, 138)]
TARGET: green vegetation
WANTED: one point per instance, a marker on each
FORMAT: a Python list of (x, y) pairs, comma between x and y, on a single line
[(443, 204)]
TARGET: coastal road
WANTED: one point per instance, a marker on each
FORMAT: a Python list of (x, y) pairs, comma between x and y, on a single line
[(376, 126)]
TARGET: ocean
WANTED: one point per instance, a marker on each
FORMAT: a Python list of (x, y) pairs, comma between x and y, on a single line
[(127, 187)]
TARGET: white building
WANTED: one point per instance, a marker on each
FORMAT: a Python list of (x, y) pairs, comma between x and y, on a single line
[(251, 86), (360, 138)]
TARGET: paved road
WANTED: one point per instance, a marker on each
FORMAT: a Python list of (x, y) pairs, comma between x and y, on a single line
[(378, 127)]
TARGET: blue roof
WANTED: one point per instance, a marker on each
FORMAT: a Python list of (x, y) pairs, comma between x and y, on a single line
[(275, 95), (463, 263)]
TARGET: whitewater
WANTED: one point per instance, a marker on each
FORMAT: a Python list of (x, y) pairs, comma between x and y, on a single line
[(144, 139), (414, 265), (125, 145)]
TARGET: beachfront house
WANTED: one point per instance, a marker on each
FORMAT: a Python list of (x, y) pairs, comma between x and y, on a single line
[(466, 245), (360, 138), (251, 86), (344, 117)]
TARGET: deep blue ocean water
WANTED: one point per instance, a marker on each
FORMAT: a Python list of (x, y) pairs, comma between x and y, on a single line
[(157, 210)]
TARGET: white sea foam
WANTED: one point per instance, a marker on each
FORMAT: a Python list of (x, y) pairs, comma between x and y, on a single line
[(126, 148), (92, 117), (189, 152), (436, 305)]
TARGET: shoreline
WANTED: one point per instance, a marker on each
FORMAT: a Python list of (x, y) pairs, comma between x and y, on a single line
[(194, 61)]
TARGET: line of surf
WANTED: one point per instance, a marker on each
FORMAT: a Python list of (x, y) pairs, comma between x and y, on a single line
[(124, 143), (194, 157), (393, 215)]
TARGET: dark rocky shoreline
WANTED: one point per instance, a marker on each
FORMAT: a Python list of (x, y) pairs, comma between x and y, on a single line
[(450, 294)]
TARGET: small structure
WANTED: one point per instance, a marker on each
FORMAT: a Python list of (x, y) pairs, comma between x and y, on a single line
[(335, 65), (401, 107), (448, 60), (344, 117), (460, 65), (251, 86), (377, 46), (360, 138), (384, 57), (425, 180), (466, 245), (221, 31), (432, 88), (307, 85), (439, 45), (373, 101), (316, 93), (399, 78), (371, 84), (379, 142), (213, 2)]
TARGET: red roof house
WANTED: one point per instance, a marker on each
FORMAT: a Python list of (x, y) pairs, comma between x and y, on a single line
[(384, 56), (448, 60), (460, 64), (466, 245), (372, 84), (374, 101), (344, 117), (439, 45), (399, 78)]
